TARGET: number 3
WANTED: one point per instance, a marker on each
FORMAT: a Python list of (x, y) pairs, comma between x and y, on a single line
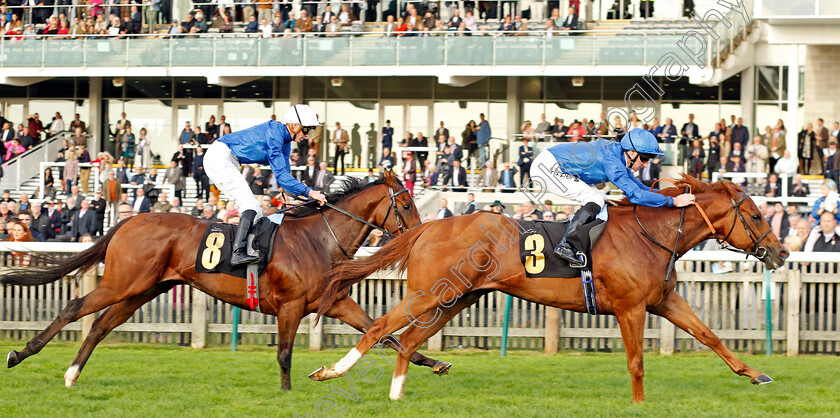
[(535, 263), (212, 255)]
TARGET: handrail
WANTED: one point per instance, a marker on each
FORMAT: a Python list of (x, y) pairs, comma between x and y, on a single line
[(14, 177)]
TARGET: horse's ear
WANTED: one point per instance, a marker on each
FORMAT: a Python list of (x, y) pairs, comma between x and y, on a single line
[(388, 174)]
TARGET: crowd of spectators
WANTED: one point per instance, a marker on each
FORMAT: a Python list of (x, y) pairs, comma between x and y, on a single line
[(67, 20)]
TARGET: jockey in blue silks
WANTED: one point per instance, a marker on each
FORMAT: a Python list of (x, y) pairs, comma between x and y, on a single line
[(573, 168), (267, 143)]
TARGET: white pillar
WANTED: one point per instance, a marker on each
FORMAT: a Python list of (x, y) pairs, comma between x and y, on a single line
[(747, 96), (792, 122)]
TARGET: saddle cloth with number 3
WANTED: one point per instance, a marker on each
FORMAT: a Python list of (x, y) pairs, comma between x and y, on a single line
[(536, 247), (216, 247)]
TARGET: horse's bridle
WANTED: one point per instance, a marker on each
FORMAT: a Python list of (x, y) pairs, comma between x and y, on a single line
[(757, 251), (401, 224)]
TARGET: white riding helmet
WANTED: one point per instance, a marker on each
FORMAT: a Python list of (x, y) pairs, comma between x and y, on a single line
[(301, 114)]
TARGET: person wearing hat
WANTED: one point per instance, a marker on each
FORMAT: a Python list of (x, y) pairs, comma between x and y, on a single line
[(571, 170), (266, 143), (497, 207)]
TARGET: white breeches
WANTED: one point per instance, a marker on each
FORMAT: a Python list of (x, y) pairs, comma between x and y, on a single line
[(222, 168), (546, 172)]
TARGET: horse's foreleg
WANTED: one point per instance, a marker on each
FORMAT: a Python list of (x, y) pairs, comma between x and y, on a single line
[(632, 324), (414, 306), (75, 309), (288, 319), (112, 318), (413, 337), (349, 312), (675, 309)]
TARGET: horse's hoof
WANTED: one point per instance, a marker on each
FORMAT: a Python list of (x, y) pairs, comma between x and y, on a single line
[(761, 379), (318, 375), (71, 376), (441, 368), (12, 359)]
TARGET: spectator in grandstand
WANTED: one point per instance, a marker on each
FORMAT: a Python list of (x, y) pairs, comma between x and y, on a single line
[(318, 28), (341, 139), (825, 237), (174, 177), (807, 148), (141, 203), (84, 172), (773, 187), (740, 134), (112, 190), (472, 206), (387, 161), (26, 141), (124, 211), (430, 175), (410, 172), (832, 161), (668, 132), (162, 205), (153, 8), (77, 197), (78, 137), (253, 26), (489, 177), (827, 202), (506, 26), (786, 165), (309, 171), (77, 123), (506, 177), (71, 170), (99, 206), (776, 146), (571, 20), (18, 232), (798, 188), (83, 221), (483, 134), (304, 23), (184, 160), (7, 133), (35, 126), (779, 221), (40, 222), (469, 141), (576, 132), (257, 181), (333, 27), (458, 178), (527, 130), (57, 124), (444, 212), (323, 178)]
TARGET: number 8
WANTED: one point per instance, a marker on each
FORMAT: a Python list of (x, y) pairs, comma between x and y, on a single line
[(212, 255)]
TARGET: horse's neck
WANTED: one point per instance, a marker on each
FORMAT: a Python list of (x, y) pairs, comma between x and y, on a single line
[(664, 224), (349, 232)]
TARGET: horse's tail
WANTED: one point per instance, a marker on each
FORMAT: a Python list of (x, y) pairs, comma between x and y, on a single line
[(55, 268), (350, 272)]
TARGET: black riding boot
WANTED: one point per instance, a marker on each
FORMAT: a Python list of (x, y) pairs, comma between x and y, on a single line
[(240, 242), (585, 214)]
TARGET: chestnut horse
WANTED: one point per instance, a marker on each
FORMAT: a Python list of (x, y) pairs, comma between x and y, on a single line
[(629, 273), (148, 254)]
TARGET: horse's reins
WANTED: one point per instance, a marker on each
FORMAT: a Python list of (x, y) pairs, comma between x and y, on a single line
[(757, 251), (393, 205)]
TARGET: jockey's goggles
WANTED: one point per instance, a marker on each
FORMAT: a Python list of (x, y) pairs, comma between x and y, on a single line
[(646, 157)]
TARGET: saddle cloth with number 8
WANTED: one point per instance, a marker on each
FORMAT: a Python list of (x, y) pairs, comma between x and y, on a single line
[(215, 249), (536, 247)]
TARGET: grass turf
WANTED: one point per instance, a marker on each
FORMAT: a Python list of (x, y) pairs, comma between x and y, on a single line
[(146, 380)]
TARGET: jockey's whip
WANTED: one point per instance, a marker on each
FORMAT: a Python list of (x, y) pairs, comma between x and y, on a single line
[(677, 242)]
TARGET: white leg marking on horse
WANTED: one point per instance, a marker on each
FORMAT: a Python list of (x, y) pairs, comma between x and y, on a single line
[(344, 365), (71, 375), (397, 388)]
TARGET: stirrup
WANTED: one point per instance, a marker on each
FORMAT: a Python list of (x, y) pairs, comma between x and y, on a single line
[(582, 261)]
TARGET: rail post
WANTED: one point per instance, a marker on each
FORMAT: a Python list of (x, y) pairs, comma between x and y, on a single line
[(199, 319), (552, 329), (794, 287)]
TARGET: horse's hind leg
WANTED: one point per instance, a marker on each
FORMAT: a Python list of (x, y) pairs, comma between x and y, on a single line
[(96, 300), (112, 318), (418, 303), (348, 311), (675, 309), (413, 337)]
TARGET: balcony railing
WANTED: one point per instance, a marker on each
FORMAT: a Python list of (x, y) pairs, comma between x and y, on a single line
[(797, 9), (248, 50)]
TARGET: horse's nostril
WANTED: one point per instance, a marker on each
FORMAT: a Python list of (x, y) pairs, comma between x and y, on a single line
[(784, 254)]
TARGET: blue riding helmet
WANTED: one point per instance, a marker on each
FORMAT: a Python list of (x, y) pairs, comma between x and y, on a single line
[(641, 141)]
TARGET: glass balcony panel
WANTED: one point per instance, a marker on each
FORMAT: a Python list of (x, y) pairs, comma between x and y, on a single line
[(519, 50), (327, 51), (568, 50), (469, 50), (190, 52), (236, 51), (281, 51), (105, 52), (63, 53), (149, 52), (374, 51), (417, 50)]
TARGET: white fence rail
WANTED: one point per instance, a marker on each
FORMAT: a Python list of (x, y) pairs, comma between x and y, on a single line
[(804, 296)]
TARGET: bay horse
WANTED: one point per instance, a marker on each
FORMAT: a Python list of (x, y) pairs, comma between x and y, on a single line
[(452, 262), (149, 254)]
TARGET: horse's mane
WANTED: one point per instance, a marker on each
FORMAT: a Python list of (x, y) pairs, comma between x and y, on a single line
[(349, 187), (697, 187)]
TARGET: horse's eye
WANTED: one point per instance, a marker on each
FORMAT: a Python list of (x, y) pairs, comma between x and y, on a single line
[(756, 217), (407, 206)]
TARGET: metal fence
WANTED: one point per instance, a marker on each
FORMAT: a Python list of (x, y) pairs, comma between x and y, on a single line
[(804, 314)]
